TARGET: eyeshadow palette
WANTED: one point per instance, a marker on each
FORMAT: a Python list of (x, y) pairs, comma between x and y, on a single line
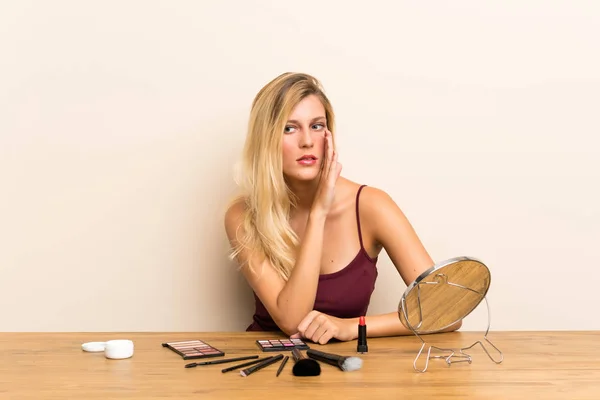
[(281, 344), (192, 349)]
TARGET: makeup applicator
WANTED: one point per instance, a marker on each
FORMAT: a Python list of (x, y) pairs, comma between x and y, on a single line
[(342, 362), (304, 366)]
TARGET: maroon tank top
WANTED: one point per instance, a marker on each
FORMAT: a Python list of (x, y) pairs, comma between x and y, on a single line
[(343, 294)]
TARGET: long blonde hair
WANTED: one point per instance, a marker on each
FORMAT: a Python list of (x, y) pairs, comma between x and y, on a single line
[(267, 198)]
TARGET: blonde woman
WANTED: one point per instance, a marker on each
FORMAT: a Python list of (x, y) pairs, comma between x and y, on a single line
[(307, 239)]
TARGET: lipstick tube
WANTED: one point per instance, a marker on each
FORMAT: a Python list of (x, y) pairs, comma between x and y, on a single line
[(361, 346)]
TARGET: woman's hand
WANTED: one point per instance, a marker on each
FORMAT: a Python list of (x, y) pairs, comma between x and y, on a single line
[(320, 328), (330, 171)]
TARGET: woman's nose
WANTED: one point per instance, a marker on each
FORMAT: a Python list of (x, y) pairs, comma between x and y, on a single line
[(306, 139)]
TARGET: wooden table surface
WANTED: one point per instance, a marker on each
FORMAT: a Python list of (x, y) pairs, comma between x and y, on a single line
[(538, 365)]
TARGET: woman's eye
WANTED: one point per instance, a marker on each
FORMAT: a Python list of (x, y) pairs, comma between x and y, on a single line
[(318, 126), (288, 129)]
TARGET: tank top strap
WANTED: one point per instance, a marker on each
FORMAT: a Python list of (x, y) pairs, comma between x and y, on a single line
[(358, 217)]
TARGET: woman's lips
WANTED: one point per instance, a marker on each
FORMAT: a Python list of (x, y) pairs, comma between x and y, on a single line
[(308, 159)]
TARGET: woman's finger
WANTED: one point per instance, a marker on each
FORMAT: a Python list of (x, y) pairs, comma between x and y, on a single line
[(314, 325), (309, 332), (330, 144), (333, 161), (320, 332), (329, 147), (325, 165), (306, 321), (332, 174), (326, 337)]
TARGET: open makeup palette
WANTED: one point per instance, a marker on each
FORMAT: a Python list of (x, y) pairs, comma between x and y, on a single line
[(281, 344), (192, 349)]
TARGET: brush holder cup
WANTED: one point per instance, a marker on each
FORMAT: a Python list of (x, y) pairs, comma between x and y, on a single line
[(441, 297)]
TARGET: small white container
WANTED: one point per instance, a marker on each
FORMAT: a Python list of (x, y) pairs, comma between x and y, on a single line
[(118, 349)]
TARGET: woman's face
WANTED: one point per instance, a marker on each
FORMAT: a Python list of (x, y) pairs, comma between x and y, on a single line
[(303, 140)]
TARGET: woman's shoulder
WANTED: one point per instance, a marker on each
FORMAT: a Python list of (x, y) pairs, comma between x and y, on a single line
[(375, 204), (374, 196), (370, 197)]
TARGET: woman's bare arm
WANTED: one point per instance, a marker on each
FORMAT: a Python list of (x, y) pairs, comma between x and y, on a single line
[(393, 232), (287, 302)]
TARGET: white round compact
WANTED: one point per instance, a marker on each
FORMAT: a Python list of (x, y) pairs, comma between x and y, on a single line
[(93, 347)]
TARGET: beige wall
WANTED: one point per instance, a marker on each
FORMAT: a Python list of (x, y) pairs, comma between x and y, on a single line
[(120, 123)]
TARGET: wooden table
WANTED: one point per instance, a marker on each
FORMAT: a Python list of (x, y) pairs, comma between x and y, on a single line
[(538, 365)]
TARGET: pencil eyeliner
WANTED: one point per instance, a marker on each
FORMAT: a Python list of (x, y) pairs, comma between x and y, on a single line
[(245, 364), (282, 365), (223, 361)]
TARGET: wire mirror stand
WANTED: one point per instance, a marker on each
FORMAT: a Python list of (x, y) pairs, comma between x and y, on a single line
[(447, 301)]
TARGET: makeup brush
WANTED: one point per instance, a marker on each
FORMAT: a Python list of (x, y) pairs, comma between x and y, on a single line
[(221, 361), (342, 362), (304, 366)]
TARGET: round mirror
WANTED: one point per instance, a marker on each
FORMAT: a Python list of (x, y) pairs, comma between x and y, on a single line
[(444, 294)]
